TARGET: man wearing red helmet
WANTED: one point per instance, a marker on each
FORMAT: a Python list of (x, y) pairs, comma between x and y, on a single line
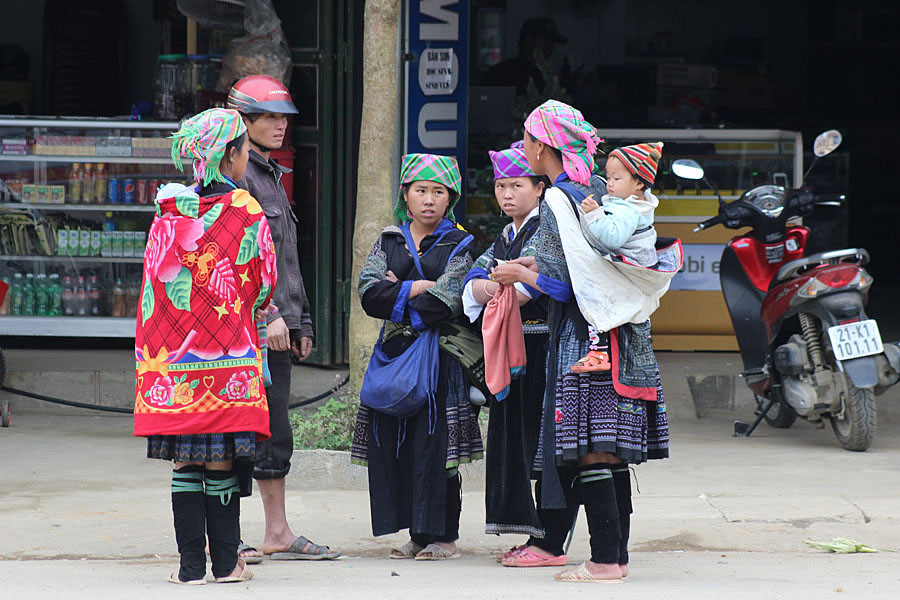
[(264, 103)]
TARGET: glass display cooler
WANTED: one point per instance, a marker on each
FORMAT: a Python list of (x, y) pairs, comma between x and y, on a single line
[(76, 201)]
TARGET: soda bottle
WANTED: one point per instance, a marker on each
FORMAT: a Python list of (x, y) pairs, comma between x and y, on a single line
[(28, 295), (118, 308), (95, 297), (41, 300), (16, 289), (54, 304), (87, 184), (68, 297), (100, 184), (75, 177), (81, 302)]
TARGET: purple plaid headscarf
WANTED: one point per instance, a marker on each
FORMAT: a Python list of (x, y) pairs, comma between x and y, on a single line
[(562, 127), (511, 162)]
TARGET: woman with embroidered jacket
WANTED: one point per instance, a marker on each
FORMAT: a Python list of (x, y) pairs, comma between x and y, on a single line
[(595, 424), (413, 462), (208, 266), (515, 413)]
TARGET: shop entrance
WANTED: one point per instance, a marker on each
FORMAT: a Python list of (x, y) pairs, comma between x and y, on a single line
[(326, 40)]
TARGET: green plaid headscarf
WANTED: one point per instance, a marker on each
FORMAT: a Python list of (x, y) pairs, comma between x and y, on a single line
[(428, 167), (203, 137)]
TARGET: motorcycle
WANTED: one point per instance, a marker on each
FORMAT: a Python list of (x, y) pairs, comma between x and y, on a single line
[(808, 348)]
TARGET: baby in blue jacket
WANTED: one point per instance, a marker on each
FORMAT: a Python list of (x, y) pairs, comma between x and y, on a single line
[(621, 225), (624, 226)]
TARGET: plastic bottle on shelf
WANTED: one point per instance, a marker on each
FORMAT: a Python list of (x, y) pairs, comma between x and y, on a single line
[(54, 305), (95, 297), (87, 184), (75, 177), (17, 290), (68, 297), (41, 293), (100, 184), (28, 295), (118, 308), (81, 302), (132, 291)]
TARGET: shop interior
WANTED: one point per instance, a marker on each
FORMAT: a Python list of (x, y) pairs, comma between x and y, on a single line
[(704, 65), (796, 67)]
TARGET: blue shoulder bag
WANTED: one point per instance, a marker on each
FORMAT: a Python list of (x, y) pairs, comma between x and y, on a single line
[(401, 386)]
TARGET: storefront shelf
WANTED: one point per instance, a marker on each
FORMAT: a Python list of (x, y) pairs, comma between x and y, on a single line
[(41, 158), (83, 207), (89, 259), (67, 326)]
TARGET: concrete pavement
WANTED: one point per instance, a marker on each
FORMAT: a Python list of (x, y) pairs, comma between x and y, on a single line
[(84, 515)]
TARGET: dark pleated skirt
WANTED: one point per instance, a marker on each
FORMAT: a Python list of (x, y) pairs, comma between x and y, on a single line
[(408, 459), (513, 429), (592, 417), (203, 447)]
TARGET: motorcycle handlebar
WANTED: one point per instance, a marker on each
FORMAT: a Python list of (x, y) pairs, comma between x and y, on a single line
[(708, 223)]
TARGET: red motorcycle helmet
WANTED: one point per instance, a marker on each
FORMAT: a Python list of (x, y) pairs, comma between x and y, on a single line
[(260, 94)]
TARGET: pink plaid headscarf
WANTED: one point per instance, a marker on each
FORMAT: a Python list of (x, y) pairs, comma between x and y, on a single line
[(562, 127)]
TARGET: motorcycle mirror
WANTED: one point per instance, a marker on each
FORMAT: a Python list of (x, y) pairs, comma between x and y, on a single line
[(687, 169), (827, 142)]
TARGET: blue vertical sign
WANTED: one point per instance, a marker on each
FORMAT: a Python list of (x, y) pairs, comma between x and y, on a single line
[(437, 79)]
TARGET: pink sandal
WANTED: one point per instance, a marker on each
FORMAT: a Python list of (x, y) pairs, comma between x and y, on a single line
[(510, 552), (526, 557)]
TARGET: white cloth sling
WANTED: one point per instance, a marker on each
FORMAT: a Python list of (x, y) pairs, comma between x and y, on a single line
[(610, 292)]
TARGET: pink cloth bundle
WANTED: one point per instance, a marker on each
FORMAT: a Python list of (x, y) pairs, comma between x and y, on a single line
[(504, 344)]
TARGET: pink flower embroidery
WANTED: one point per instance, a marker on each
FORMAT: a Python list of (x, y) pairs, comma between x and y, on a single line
[(238, 387), (559, 416), (161, 259), (162, 391), (266, 252)]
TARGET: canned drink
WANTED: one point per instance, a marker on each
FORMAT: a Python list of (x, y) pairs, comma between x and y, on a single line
[(129, 193), (154, 187), (115, 191), (142, 195)]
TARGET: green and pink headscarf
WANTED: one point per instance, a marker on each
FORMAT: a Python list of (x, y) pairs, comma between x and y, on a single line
[(428, 167), (203, 138), (511, 162), (562, 127)]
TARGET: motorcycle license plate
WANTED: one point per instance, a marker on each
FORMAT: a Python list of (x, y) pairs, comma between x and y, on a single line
[(853, 340)]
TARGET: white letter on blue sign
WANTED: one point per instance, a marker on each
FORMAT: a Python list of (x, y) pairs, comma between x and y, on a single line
[(448, 26), (437, 111)]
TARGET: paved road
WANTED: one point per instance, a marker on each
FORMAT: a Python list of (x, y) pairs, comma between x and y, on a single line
[(83, 515)]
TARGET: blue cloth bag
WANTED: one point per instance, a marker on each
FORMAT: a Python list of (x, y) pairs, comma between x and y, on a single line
[(401, 386)]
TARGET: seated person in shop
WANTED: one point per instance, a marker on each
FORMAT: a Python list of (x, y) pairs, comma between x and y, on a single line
[(535, 34), (621, 224)]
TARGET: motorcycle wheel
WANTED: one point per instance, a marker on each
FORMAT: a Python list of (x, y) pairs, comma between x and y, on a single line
[(778, 416), (855, 427)]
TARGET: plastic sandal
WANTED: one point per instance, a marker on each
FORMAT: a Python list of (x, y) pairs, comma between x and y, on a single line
[(407, 550), (594, 361), (173, 578), (581, 574), (435, 552), (527, 557), (313, 552), (510, 552)]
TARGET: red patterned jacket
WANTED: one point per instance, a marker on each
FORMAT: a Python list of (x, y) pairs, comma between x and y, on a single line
[(209, 264)]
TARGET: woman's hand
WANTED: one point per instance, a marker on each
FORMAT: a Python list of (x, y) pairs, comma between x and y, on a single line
[(391, 277), (509, 273), (529, 262), (420, 286)]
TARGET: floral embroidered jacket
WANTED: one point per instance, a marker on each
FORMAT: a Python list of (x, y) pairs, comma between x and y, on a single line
[(209, 264)]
